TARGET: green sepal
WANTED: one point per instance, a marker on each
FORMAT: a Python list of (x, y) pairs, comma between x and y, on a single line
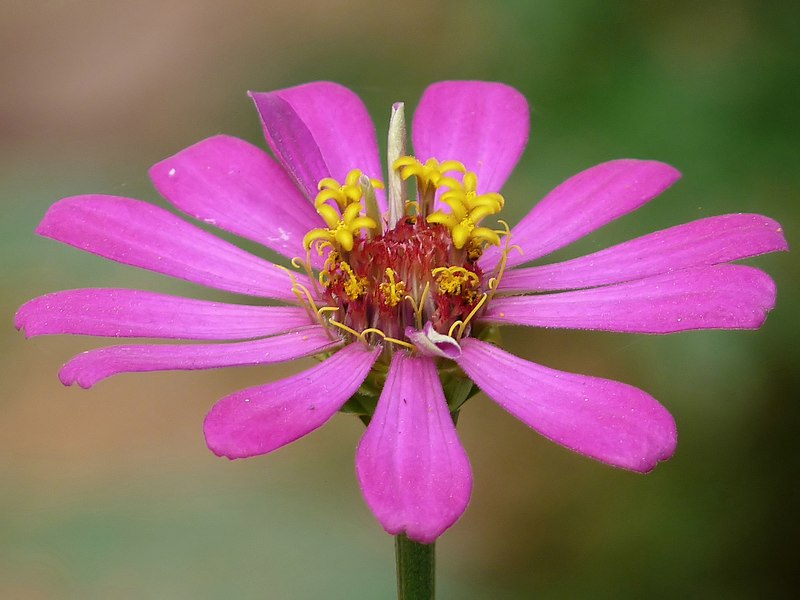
[(360, 404), (457, 387), (365, 400)]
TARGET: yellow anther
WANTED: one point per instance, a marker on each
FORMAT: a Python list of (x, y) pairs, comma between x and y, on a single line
[(428, 173), (455, 280), (341, 232), (465, 193), (344, 195), (462, 232), (330, 264), (355, 286), (463, 224), (394, 291), (467, 210)]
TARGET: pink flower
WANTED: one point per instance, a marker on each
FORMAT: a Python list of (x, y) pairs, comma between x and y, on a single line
[(399, 296)]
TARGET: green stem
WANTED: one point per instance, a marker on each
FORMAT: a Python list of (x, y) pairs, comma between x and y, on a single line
[(415, 569)]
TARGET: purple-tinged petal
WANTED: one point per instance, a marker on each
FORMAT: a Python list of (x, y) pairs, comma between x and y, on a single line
[(414, 473), (609, 421), (334, 119), (229, 183), (143, 235), (95, 365), (583, 204), (292, 142), (708, 241), (717, 297), (263, 418), (430, 342), (135, 313), (483, 125)]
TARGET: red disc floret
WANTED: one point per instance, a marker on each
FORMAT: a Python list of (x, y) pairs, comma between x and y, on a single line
[(389, 282)]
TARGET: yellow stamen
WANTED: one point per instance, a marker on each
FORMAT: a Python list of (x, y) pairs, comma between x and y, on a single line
[(306, 299), (419, 306), (467, 210), (455, 280), (349, 330), (344, 195), (462, 325), (494, 282), (394, 291), (341, 232), (471, 314), (362, 335), (453, 327), (356, 286), (427, 174), (387, 338), (327, 309)]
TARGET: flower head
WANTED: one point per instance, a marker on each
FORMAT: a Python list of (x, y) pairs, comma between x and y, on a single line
[(398, 295)]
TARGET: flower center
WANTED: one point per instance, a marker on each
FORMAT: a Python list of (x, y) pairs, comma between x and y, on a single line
[(406, 277), (380, 282)]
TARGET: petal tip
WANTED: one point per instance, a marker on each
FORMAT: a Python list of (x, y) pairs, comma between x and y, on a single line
[(81, 370), (21, 319), (68, 378)]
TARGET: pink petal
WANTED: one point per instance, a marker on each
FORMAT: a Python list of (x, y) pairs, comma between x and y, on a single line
[(704, 242), (318, 130), (226, 182), (291, 142), (263, 418), (583, 204), (143, 235), (95, 365), (135, 313), (609, 421), (718, 297), (483, 125), (414, 473)]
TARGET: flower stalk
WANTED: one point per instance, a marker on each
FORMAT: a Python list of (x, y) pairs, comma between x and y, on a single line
[(415, 569)]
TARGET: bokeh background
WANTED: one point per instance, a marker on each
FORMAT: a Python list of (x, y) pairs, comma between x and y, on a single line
[(111, 493)]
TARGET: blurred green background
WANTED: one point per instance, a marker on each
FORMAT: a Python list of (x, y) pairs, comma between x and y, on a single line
[(111, 493)]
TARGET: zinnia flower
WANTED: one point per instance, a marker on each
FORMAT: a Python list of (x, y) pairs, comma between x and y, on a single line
[(399, 297)]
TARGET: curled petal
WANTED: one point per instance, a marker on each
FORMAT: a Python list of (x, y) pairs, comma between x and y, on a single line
[(95, 365), (143, 235), (226, 182), (708, 241), (717, 297), (583, 204), (483, 125), (263, 418), (292, 142), (609, 421), (430, 342), (414, 473), (135, 313), (327, 121)]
